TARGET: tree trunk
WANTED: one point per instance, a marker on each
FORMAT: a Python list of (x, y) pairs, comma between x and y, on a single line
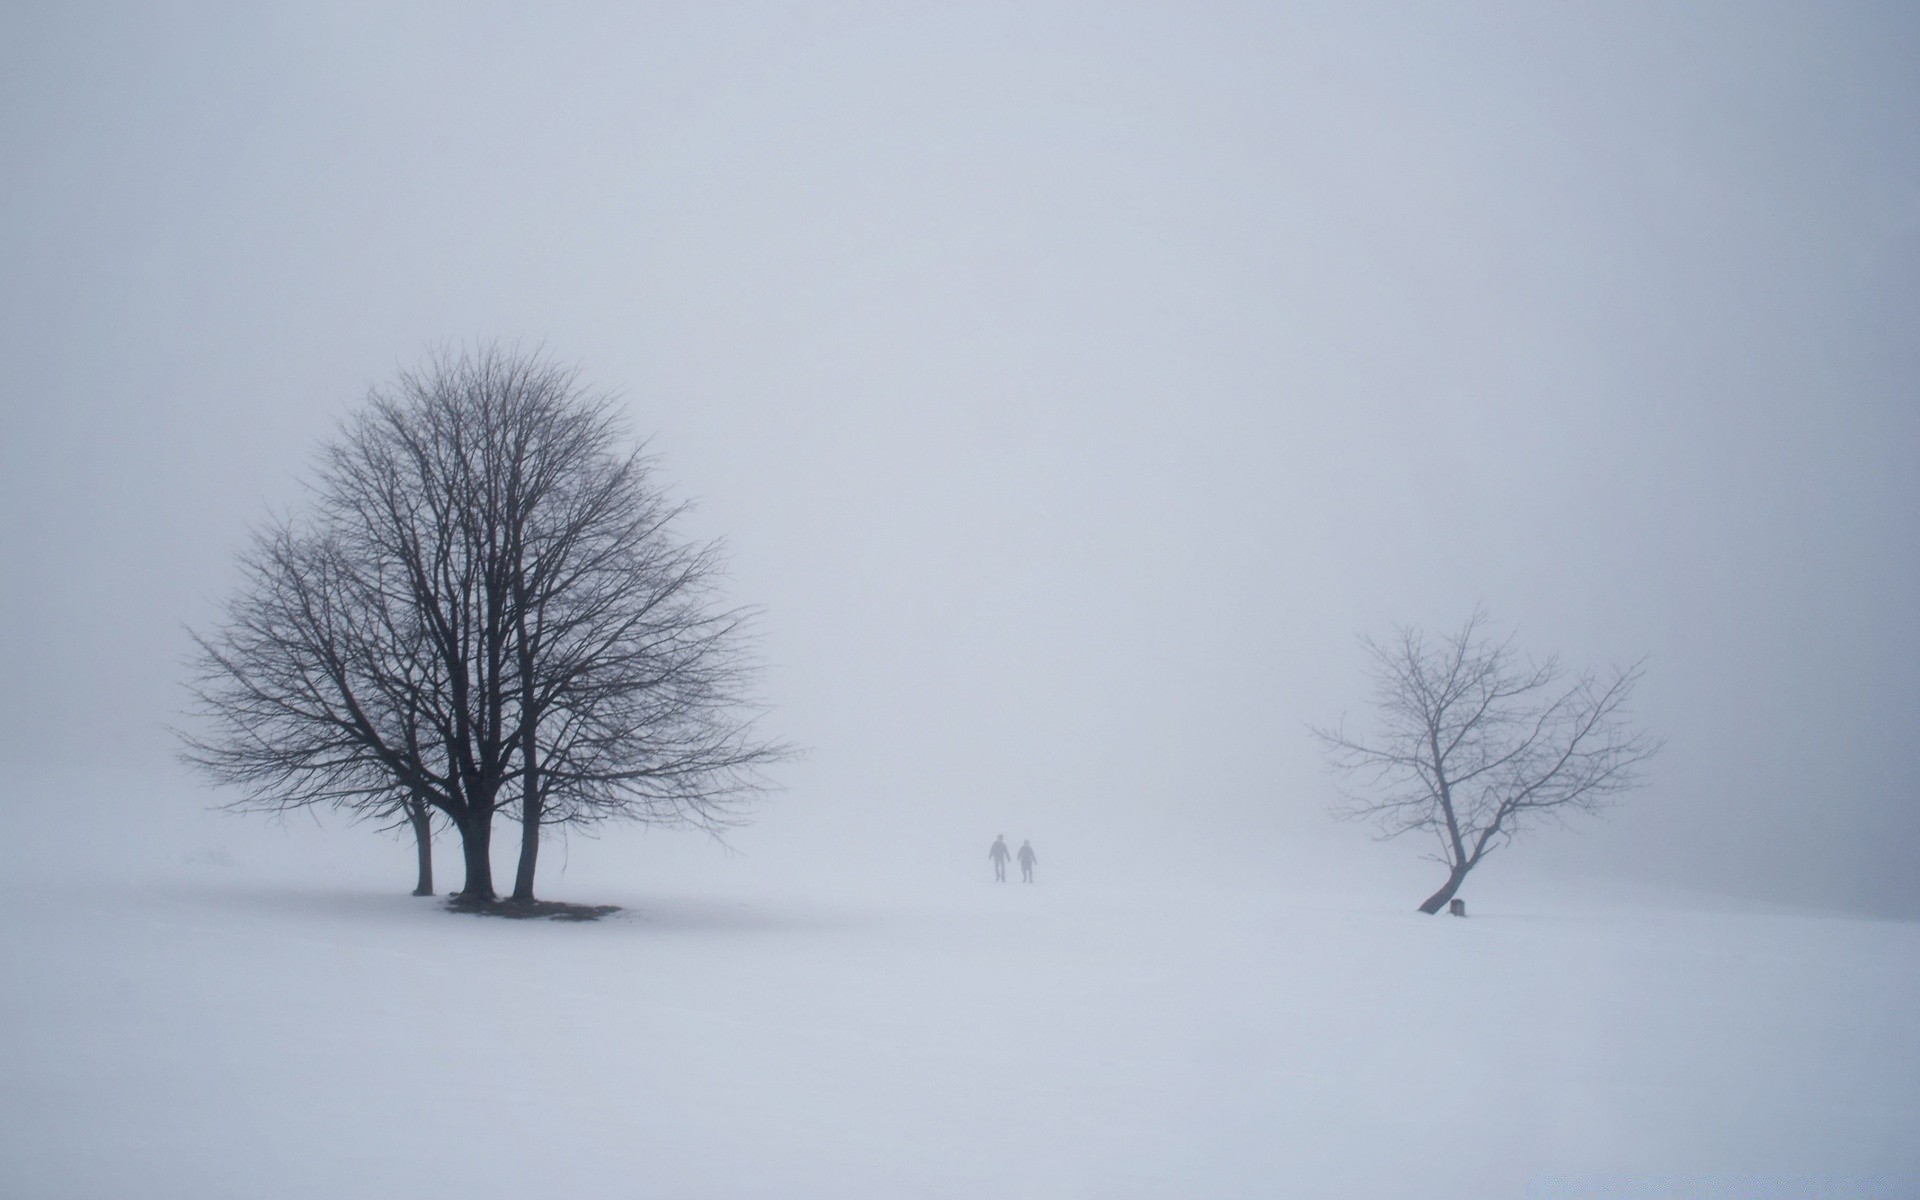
[(530, 805), (476, 838), (422, 821), (529, 848), (1438, 900)]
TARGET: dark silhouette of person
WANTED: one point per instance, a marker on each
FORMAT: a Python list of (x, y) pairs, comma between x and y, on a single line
[(999, 853), (1027, 859)]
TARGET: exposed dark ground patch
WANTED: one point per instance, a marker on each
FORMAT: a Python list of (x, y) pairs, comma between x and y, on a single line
[(521, 910)]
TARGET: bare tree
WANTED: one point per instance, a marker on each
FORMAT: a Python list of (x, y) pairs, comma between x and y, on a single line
[(1476, 743), (486, 610)]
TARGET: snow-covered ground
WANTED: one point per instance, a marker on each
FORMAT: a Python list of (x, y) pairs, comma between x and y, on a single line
[(235, 1026)]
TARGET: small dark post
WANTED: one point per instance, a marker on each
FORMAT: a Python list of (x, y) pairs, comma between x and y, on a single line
[(1457, 907)]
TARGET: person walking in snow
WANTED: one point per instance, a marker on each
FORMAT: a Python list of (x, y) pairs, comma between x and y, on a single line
[(1027, 859), (999, 853)]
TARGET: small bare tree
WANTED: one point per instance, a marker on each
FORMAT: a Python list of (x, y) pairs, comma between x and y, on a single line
[(1476, 743), (485, 611)]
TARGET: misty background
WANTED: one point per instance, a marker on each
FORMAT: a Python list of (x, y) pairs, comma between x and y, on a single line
[(1070, 383)]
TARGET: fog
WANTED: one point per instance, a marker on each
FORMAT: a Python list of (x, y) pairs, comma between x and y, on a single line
[(1071, 384)]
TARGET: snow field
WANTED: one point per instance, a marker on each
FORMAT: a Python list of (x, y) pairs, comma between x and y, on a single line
[(220, 1035)]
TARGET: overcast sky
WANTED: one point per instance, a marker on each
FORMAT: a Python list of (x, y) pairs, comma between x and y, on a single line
[(1072, 383)]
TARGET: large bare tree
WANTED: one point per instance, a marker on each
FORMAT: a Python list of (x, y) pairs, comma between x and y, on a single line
[(486, 610), (1475, 743)]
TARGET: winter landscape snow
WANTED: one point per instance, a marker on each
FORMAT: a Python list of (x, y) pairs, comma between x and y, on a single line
[(270, 1015), (1067, 386)]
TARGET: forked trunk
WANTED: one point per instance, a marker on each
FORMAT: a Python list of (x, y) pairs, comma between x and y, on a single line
[(1438, 900)]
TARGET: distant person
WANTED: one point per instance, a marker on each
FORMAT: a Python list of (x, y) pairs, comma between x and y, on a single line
[(999, 853), (1027, 859)]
